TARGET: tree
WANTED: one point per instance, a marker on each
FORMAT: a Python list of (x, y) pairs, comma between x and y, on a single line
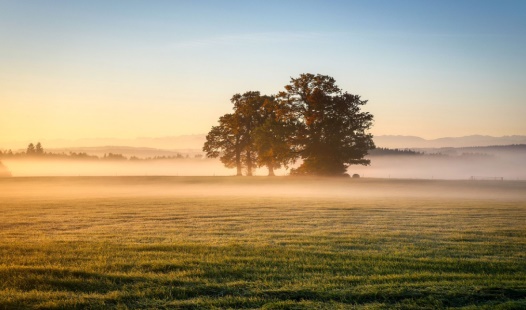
[(30, 149), (38, 149), (272, 138), (331, 129), (225, 141), (233, 139), (245, 108)]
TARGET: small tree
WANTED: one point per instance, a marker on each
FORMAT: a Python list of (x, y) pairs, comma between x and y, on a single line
[(38, 149), (30, 149)]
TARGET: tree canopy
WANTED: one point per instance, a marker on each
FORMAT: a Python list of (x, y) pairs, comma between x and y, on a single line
[(313, 119), (225, 141), (332, 130)]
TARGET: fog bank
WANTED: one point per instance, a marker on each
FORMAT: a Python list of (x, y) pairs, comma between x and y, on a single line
[(54, 188), (452, 165), (445, 167), (24, 167)]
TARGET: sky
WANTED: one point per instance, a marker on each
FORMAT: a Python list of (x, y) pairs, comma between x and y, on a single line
[(127, 69)]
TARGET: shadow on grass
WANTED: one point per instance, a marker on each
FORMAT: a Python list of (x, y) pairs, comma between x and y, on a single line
[(56, 279), (249, 277)]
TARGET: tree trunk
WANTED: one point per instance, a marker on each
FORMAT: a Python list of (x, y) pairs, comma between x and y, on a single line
[(238, 163), (249, 164), (270, 170)]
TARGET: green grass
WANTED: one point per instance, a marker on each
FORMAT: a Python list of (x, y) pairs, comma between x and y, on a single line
[(281, 252)]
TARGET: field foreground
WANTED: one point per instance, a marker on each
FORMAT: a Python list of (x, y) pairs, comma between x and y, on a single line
[(282, 243)]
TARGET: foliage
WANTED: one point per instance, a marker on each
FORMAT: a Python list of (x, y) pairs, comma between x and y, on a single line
[(312, 119), (332, 130), (30, 149), (247, 108), (251, 136), (225, 141), (272, 138), (38, 149), (112, 156)]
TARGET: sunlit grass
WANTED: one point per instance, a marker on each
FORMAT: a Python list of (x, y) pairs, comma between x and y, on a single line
[(273, 253)]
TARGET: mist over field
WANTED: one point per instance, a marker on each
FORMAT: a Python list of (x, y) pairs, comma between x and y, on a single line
[(66, 167), (444, 163), (51, 188), (444, 167), (195, 154)]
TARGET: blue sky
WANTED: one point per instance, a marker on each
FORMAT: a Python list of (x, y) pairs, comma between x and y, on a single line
[(84, 69)]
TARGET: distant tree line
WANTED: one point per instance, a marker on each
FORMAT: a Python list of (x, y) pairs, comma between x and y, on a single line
[(312, 120), (379, 151), (31, 150), (382, 151), (37, 151)]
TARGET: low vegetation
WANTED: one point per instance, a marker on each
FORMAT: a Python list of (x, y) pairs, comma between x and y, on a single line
[(281, 252)]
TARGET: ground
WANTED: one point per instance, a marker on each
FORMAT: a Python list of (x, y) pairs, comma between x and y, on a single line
[(274, 243)]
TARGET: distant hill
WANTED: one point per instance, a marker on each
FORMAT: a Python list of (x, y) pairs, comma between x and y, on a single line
[(183, 142), (467, 141), (195, 143), (498, 150)]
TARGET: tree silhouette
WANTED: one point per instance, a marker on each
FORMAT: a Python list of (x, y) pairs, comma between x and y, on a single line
[(38, 149), (312, 119), (272, 138), (248, 107), (233, 139), (331, 128), (225, 141), (30, 149)]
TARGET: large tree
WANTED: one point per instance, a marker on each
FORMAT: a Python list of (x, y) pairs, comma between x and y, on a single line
[(247, 107), (225, 141), (332, 130), (234, 139), (272, 138)]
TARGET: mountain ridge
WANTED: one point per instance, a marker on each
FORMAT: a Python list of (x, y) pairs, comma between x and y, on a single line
[(397, 141)]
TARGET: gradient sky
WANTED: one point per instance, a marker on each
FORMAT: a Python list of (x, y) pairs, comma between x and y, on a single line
[(126, 69)]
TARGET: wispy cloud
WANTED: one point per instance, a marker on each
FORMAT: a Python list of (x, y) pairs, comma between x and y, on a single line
[(249, 39)]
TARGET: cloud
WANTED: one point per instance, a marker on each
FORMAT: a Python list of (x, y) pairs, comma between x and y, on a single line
[(249, 39)]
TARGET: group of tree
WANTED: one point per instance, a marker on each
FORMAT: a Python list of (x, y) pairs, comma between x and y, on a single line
[(382, 151), (36, 150), (312, 120)]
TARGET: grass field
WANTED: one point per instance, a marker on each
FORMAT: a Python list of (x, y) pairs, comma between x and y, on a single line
[(282, 243)]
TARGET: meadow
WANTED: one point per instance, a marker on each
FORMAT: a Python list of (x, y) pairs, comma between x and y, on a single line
[(271, 243)]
